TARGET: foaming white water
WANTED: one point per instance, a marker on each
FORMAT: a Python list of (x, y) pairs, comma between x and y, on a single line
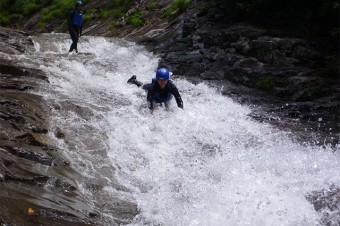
[(208, 164)]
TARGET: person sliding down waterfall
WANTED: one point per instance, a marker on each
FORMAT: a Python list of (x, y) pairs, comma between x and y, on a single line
[(75, 25), (160, 90)]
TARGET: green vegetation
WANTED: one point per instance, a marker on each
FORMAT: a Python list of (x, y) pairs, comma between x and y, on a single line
[(112, 25), (20, 6), (119, 7), (114, 13), (105, 14), (153, 5), (120, 3), (13, 12), (135, 19), (177, 7)]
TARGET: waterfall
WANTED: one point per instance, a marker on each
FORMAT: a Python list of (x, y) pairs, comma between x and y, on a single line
[(209, 164)]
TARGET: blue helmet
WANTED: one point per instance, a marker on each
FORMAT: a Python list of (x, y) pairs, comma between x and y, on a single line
[(79, 3), (163, 73)]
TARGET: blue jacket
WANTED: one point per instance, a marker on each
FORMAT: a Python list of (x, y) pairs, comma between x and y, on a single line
[(75, 20)]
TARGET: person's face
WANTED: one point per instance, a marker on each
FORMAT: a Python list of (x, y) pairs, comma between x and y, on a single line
[(162, 83), (79, 7)]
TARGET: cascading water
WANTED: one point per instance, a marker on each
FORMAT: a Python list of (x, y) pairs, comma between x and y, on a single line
[(209, 164)]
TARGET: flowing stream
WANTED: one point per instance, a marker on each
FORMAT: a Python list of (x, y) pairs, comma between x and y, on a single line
[(209, 164)]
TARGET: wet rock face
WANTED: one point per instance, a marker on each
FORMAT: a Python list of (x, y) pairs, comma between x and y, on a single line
[(327, 203), (30, 163), (13, 42), (204, 45), (239, 53)]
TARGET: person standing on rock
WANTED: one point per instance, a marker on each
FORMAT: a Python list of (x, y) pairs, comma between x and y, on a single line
[(75, 25), (160, 90)]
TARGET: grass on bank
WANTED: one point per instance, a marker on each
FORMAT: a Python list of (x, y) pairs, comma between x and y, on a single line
[(12, 13), (135, 19), (177, 7)]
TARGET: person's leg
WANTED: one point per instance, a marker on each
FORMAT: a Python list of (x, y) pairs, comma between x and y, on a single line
[(147, 86), (74, 37), (167, 101), (76, 40), (133, 80), (167, 105)]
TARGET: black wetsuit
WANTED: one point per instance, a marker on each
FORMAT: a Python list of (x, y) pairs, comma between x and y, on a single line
[(75, 28), (159, 95)]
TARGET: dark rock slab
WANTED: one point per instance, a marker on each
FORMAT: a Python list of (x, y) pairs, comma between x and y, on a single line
[(205, 45), (13, 42), (33, 173), (327, 203)]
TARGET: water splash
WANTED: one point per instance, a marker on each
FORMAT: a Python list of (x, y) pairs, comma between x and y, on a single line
[(208, 164)]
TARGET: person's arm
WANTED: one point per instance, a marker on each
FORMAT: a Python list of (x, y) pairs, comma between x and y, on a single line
[(150, 95), (81, 26), (70, 19), (177, 96)]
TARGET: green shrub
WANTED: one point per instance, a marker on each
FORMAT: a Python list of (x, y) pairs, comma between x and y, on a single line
[(135, 20), (86, 18), (105, 14), (112, 25), (177, 7), (118, 12), (14, 18), (4, 4), (181, 5), (41, 25), (31, 8), (153, 5), (4, 20), (120, 3), (21, 6), (52, 13), (11, 12), (58, 9), (65, 4)]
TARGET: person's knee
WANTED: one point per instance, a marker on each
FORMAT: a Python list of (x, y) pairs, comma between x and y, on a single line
[(167, 104), (146, 87)]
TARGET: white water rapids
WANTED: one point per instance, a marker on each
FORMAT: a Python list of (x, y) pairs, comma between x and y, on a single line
[(208, 165)]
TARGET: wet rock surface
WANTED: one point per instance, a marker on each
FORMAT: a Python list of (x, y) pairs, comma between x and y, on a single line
[(285, 78), (200, 45), (327, 203), (31, 166), (13, 42)]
